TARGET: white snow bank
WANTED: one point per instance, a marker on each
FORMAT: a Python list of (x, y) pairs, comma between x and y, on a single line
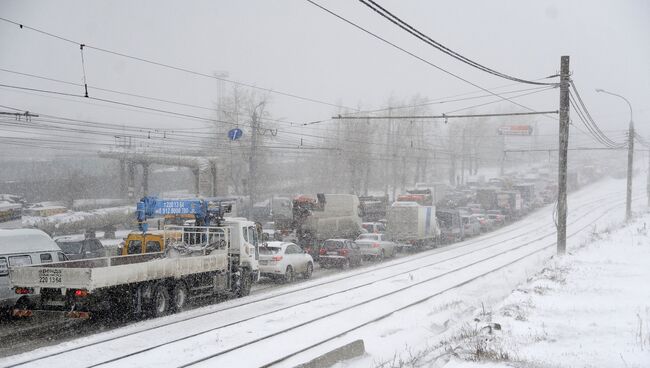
[(71, 222), (590, 308)]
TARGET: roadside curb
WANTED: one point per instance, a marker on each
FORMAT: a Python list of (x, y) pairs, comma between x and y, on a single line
[(351, 350)]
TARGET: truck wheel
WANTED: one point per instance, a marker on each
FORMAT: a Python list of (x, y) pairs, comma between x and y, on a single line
[(179, 296), (161, 301), (245, 284), (309, 271)]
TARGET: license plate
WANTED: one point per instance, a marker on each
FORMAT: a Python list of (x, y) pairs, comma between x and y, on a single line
[(264, 262), (332, 254), (49, 276)]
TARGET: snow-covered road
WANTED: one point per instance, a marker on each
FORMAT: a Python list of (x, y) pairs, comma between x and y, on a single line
[(274, 325)]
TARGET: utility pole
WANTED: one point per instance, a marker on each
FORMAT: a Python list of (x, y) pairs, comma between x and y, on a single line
[(630, 156), (252, 161), (562, 155), (630, 167)]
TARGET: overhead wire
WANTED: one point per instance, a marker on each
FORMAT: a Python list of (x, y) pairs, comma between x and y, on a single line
[(172, 67), (414, 55), (441, 100), (587, 119), (204, 119), (428, 40), (157, 99)]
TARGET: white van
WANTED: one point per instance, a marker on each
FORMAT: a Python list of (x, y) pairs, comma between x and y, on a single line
[(21, 247)]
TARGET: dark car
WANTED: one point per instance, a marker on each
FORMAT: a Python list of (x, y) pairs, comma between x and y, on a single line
[(339, 253), (81, 248)]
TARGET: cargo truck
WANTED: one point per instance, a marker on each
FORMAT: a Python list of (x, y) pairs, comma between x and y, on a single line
[(216, 257), (412, 224), (328, 216)]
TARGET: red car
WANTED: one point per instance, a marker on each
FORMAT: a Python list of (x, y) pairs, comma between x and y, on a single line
[(341, 253)]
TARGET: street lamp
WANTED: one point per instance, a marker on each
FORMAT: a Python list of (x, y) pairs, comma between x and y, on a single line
[(630, 157)]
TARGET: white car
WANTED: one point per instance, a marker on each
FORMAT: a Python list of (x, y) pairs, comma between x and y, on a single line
[(282, 260), (375, 246)]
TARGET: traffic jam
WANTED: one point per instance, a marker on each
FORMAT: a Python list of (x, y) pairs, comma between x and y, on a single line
[(187, 252)]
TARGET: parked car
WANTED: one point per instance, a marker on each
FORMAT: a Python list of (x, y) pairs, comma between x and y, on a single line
[(282, 260), (22, 247), (76, 248), (339, 252), (374, 227), (484, 221), (375, 246), (471, 225)]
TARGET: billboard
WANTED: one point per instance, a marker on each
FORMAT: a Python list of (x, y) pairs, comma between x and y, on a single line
[(515, 130)]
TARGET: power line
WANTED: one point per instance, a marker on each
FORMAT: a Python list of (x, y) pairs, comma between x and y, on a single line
[(177, 68), (443, 116), (543, 89), (93, 87), (441, 100), (570, 149), (428, 40), (592, 132), (590, 123), (414, 55)]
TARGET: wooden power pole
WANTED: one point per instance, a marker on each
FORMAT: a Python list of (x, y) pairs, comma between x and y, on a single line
[(563, 153)]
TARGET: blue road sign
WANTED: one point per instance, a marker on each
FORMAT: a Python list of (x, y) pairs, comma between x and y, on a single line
[(235, 134)]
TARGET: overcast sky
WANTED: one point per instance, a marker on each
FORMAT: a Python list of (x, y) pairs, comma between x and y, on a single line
[(294, 47)]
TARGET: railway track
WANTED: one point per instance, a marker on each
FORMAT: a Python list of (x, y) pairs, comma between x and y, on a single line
[(423, 264), (397, 300)]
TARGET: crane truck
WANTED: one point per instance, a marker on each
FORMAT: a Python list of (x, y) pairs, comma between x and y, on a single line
[(214, 257)]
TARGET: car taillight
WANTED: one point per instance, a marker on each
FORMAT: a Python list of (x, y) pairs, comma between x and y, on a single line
[(276, 258), (375, 245), (322, 251), (80, 293), (343, 252), (23, 291)]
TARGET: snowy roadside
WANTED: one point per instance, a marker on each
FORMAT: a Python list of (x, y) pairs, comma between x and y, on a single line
[(590, 308)]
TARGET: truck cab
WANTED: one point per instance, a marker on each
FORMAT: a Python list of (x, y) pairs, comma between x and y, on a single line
[(245, 239)]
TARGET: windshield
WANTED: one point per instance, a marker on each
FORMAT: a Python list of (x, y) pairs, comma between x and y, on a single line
[(71, 247), (333, 244), (270, 250)]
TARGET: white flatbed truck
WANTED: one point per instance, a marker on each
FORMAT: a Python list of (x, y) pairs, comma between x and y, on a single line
[(198, 262)]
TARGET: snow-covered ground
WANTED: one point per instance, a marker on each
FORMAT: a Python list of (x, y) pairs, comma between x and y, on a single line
[(399, 307), (588, 309), (74, 221)]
